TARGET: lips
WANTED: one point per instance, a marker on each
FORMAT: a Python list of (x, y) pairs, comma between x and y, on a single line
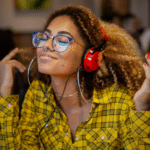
[(45, 55)]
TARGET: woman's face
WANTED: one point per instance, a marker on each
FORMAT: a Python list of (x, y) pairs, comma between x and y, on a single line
[(54, 63)]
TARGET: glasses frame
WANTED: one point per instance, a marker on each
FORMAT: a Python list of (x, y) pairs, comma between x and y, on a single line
[(53, 37)]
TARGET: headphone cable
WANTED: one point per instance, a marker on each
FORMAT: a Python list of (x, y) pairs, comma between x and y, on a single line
[(46, 124)]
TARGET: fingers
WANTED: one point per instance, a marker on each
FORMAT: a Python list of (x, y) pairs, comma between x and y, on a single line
[(147, 56), (7, 61), (147, 66), (16, 64), (10, 55)]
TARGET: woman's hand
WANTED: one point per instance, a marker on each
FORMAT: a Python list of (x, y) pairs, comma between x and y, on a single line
[(142, 97), (7, 65)]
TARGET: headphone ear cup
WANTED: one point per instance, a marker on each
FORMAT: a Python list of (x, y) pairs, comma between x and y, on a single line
[(83, 58), (90, 60)]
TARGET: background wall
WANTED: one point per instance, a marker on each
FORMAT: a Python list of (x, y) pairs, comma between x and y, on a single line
[(20, 21), (141, 8), (23, 23), (34, 20)]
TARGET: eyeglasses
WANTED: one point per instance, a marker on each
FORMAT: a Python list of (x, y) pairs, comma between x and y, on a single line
[(60, 43)]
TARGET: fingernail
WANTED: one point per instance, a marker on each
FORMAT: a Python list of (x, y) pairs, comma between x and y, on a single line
[(23, 71), (145, 64), (148, 55)]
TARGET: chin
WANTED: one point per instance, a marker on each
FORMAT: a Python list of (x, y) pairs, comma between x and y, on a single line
[(43, 69), (46, 67), (48, 70), (53, 70)]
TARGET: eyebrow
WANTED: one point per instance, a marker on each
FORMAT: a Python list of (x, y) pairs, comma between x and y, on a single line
[(63, 32), (60, 32)]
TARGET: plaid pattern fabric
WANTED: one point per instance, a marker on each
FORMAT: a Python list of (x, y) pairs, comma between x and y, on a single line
[(9, 111), (113, 124)]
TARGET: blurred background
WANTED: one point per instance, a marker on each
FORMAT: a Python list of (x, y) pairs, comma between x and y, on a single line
[(19, 18)]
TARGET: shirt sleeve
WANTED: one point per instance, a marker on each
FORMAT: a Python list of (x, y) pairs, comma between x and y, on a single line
[(26, 136), (141, 128), (135, 129), (9, 116), (134, 126)]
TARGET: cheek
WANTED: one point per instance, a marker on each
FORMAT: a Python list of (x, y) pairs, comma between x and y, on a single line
[(72, 59)]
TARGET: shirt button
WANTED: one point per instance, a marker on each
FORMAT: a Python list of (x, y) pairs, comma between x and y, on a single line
[(67, 134), (45, 99), (9, 105), (102, 137), (77, 138), (93, 105), (46, 125)]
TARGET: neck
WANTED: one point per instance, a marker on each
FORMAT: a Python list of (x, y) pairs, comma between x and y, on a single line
[(67, 103), (58, 84)]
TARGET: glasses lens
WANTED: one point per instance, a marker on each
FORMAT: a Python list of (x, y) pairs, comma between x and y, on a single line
[(61, 43), (39, 39)]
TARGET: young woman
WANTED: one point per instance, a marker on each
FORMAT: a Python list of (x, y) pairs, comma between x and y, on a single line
[(91, 90)]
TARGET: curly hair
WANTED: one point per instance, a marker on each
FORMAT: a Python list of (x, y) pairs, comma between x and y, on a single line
[(119, 63)]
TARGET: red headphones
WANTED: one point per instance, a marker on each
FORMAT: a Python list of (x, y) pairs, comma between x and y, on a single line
[(90, 56)]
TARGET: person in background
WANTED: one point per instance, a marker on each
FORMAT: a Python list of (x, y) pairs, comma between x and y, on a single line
[(132, 25), (145, 40), (113, 17), (90, 91)]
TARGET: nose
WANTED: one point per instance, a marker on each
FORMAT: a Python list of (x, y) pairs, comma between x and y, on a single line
[(49, 44)]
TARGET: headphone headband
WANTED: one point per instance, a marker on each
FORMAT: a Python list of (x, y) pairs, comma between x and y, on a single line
[(104, 34)]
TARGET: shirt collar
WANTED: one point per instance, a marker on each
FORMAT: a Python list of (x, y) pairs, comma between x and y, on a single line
[(104, 96), (47, 92), (100, 97)]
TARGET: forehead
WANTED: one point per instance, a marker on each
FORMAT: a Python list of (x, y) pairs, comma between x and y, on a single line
[(63, 23)]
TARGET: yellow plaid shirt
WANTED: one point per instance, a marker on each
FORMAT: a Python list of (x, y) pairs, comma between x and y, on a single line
[(113, 123)]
